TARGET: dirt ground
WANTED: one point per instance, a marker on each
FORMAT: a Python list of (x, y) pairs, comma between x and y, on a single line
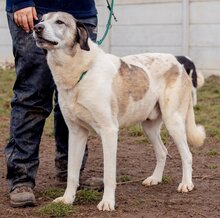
[(136, 160)]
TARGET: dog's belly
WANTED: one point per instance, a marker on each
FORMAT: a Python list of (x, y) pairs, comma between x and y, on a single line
[(139, 111)]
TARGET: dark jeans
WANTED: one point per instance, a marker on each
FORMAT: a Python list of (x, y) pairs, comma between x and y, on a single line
[(31, 105)]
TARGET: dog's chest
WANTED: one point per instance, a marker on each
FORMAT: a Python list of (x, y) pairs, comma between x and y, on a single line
[(68, 103), (73, 111)]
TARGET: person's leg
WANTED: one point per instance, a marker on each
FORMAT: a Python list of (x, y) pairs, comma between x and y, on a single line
[(60, 128), (31, 104)]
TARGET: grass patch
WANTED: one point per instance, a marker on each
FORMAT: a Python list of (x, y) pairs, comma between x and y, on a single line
[(7, 78), (56, 210), (208, 108), (124, 178), (135, 131), (84, 196), (211, 167), (166, 179), (212, 153), (53, 193), (87, 196)]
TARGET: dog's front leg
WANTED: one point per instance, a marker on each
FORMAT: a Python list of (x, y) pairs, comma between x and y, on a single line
[(77, 142), (109, 138)]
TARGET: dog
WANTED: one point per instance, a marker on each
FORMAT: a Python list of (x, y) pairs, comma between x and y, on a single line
[(114, 92), (197, 77)]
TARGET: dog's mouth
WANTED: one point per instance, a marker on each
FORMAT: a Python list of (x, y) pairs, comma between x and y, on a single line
[(43, 40)]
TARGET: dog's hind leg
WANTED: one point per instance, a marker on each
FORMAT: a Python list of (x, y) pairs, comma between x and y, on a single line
[(152, 130), (109, 136), (174, 104), (175, 124), (77, 142)]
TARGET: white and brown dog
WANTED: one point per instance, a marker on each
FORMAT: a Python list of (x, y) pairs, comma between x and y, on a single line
[(115, 92)]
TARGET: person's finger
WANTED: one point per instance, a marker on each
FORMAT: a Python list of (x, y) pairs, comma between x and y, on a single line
[(19, 20), (16, 18), (25, 24), (34, 12), (30, 21)]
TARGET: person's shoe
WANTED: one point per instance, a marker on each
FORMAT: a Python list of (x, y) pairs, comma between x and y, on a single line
[(61, 178), (22, 196), (95, 183)]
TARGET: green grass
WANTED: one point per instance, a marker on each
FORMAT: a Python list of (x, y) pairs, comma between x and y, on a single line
[(124, 178), (213, 153), (87, 196), (6, 86), (56, 210), (83, 197), (135, 130), (166, 179), (53, 193), (208, 108)]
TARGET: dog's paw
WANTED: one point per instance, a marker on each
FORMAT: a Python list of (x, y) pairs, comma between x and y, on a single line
[(184, 187), (65, 199), (105, 205), (151, 181)]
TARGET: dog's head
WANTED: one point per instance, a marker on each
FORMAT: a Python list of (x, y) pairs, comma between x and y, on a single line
[(60, 30)]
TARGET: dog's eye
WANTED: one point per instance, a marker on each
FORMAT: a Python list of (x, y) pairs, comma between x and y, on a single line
[(59, 22)]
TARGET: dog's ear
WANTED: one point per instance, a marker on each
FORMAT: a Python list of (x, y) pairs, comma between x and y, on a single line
[(82, 36)]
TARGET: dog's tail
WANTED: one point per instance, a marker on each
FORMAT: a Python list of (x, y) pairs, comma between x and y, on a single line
[(195, 133), (200, 80)]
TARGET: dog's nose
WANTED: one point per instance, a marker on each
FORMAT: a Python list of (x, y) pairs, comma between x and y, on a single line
[(39, 28)]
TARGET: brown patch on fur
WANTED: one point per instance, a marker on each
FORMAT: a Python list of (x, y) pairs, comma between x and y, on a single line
[(186, 87), (171, 75), (131, 81)]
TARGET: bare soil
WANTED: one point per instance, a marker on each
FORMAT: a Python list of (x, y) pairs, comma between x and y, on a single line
[(136, 160)]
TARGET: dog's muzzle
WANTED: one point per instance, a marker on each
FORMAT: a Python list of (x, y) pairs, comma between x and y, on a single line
[(38, 30)]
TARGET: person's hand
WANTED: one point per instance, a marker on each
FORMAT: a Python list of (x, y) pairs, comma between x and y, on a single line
[(25, 18)]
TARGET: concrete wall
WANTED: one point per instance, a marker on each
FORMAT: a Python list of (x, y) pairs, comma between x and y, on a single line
[(5, 39), (189, 27), (204, 34)]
